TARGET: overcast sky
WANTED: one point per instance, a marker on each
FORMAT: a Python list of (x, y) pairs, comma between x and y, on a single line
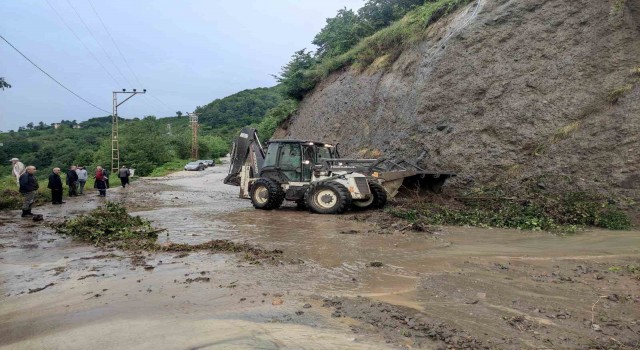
[(185, 53)]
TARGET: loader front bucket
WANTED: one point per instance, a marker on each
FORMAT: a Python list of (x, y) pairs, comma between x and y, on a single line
[(408, 182)]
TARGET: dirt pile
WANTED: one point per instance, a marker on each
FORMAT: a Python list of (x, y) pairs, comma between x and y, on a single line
[(500, 91)]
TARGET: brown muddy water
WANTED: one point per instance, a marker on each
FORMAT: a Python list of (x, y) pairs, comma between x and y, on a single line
[(502, 288)]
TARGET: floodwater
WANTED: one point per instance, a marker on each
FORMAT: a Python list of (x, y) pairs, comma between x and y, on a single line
[(474, 280)]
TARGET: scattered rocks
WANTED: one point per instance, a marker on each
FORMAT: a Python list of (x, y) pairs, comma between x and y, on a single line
[(198, 279), (375, 264)]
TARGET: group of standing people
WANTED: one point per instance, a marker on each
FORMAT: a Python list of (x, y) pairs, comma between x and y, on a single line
[(76, 179)]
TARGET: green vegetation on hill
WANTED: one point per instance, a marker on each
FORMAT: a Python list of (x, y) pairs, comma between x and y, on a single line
[(375, 35), (224, 117)]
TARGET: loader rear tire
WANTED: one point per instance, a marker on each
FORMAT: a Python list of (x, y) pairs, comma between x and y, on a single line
[(378, 198), (328, 197), (266, 194)]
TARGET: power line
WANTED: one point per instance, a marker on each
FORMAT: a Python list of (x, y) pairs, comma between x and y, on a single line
[(52, 78), (124, 58), (114, 42), (159, 100), (98, 42), (83, 44)]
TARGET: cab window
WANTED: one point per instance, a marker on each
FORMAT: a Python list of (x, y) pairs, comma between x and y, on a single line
[(290, 161)]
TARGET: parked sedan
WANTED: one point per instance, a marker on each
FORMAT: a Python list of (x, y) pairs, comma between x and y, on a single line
[(206, 165), (209, 162), (194, 166)]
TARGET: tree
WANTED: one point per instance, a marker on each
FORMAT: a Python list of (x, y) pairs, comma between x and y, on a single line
[(294, 76), (339, 34), (30, 126), (4, 84), (179, 114)]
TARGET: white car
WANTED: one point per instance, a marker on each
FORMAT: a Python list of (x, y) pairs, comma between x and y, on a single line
[(195, 166)]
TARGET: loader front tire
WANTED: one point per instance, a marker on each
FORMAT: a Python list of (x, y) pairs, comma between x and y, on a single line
[(378, 198), (328, 197), (266, 194)]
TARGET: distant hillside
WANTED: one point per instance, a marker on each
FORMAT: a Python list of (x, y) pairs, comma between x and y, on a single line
[(227, 115), (145, 143)]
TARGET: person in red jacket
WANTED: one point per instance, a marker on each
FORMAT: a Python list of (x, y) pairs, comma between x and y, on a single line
[(100, 184)]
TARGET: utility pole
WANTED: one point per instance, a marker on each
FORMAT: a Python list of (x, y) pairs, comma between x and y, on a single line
[(193, 123), (115, 145)]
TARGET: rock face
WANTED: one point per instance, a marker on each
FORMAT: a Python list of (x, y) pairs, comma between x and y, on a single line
[(502, 89)]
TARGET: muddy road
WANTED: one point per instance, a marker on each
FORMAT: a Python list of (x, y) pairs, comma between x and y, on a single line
[(356, 281)]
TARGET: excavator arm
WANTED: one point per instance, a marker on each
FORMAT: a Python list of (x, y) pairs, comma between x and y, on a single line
[(246, 155)]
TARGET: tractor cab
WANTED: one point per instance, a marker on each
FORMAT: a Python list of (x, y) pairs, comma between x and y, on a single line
[(288, 161)]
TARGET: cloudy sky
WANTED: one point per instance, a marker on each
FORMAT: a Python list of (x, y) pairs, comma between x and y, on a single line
[(185, 53)]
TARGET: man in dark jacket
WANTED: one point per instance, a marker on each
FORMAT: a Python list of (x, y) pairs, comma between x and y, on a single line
[(55, 185), (29, 189), (72, 181), (124, 174)]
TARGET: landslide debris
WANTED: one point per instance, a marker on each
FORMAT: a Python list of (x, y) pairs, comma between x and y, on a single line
[(111, 227)]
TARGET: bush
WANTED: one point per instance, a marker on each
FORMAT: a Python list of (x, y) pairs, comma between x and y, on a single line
[(613, 219), (275, 117)]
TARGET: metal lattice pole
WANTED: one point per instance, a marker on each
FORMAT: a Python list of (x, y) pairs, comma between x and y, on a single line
[(193, 120)]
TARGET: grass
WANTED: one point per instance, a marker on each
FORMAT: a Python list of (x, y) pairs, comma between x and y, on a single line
[(617, 93), (170, 167), (386, 45), (566, 131)]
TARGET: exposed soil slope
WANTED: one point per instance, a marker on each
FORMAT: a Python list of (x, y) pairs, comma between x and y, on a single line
[(501, 89)]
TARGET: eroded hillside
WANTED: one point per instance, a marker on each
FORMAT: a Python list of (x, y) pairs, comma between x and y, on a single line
[(499, 90)]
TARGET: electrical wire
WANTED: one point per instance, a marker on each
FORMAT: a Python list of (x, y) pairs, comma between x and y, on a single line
[(99, 44), (83, 44), (52, 78), (114, 42), (145, 99)]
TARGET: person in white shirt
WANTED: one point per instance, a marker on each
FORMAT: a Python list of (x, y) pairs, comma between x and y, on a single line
[(18, 169)]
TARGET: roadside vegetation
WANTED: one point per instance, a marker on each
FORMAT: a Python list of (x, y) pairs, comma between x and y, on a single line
[(566, 213), (168, 168), (10, 197)]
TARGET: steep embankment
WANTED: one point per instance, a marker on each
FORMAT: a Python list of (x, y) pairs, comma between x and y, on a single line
[(499, 91)]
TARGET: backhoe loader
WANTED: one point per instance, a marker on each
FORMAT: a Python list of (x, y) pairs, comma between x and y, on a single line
[(313, 175)]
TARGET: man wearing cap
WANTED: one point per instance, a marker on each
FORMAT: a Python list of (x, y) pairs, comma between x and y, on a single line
[(18, 169), (29, 189)]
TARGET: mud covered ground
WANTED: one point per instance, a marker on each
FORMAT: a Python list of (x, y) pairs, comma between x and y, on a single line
[(357, 281)]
